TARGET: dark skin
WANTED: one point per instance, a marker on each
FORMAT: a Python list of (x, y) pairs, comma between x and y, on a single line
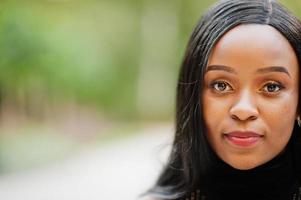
[(251, 85)]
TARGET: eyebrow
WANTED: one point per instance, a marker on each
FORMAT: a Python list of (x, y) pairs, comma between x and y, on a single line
[(273, 69), (220, 67), (260, 71)]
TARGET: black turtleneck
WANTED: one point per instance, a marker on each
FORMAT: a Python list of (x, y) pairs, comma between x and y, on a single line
[(274, 180)]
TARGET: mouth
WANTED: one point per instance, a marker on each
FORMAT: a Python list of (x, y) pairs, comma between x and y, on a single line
[(243, 138)]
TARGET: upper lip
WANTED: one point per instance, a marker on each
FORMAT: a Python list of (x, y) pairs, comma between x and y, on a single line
[(244, 134)]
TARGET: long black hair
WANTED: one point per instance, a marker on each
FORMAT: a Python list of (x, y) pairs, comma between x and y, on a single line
[(191, 155)]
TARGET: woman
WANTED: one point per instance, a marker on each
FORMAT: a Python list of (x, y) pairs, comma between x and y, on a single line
[(238, 107)]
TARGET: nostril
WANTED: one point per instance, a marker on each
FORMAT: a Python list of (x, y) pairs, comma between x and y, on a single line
[(252, 117), (234, 117)]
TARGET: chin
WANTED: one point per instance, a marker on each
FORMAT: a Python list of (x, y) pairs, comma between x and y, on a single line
[(244, 164)]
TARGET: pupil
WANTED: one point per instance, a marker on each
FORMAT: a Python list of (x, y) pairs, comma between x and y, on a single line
[(221, 86), (271, 88)]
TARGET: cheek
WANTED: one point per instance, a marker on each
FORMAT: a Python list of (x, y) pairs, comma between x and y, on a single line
[(215, 111), (281, 112), (279, 118)]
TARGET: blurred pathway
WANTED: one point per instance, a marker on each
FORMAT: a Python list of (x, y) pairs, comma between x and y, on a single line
[(117, 171)]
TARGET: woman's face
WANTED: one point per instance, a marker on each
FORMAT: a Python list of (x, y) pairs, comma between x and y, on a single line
[(250, 95)]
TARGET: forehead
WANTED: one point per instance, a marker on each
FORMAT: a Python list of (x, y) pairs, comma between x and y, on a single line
[(252, 46)]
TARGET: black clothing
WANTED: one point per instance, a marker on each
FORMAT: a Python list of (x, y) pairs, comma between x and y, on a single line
[(274, 180)]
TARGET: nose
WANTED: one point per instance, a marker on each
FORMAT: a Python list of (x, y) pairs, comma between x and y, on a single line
[(244, 108)]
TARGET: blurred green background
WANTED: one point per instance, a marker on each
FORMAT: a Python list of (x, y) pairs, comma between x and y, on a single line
[(77, 72)]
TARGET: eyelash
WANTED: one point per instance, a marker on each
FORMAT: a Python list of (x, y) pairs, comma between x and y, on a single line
[(214, 86), (275, 84)]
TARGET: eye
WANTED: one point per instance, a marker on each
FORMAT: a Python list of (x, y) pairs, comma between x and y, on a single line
[(272, 87), (221, 86)]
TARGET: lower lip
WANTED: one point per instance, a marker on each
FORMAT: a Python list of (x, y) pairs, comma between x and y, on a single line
[(243, 141)]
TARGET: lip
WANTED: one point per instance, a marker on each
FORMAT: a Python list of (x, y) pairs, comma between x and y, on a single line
[(243, 138)]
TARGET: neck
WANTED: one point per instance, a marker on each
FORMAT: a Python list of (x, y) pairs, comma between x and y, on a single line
[(275, 178)]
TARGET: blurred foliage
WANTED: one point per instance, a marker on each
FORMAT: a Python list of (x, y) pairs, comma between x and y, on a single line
[(121, 57), (118, 58)]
